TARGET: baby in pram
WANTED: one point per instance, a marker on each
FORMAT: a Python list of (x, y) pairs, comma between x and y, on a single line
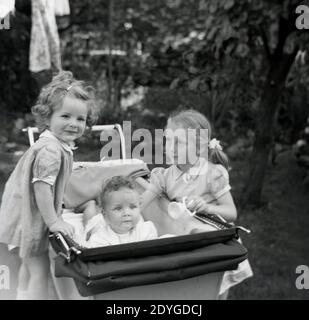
[(122, 221)]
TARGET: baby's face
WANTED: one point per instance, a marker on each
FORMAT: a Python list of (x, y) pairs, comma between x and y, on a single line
[(121, 209)]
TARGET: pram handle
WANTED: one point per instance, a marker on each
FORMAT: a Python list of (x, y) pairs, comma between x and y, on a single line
[(32, 130), (67, 250)]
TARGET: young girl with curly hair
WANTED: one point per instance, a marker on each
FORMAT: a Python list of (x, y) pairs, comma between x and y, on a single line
[(32, 200)]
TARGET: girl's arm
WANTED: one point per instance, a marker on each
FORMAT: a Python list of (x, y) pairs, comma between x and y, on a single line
[(156, 187), (89, 210), (44, 199), (146, 198), (225, 207)]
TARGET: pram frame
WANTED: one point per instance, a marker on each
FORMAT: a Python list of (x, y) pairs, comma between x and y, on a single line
[(139, 291)]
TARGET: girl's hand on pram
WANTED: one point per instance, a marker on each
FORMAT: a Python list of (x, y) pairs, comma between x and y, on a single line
[(63, 227), (196, 203)]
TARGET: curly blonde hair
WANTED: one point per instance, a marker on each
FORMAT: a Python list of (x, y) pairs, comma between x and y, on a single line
[(52, 95)]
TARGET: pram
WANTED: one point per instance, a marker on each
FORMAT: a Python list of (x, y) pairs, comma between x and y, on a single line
[(187, 266)]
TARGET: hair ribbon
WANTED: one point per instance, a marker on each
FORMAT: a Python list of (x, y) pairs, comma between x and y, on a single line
[(214, 144)]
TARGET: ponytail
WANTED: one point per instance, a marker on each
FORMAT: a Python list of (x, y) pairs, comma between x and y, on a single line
[(217, 156)]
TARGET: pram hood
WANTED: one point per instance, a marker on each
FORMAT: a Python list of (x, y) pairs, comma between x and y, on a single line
[(88, 178)]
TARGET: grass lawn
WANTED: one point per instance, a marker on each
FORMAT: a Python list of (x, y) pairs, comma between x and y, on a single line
[(279, 241), (277, 245)]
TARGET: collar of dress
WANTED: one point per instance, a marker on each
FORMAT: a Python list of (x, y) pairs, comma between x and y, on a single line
[(48, 134), (186, 176)]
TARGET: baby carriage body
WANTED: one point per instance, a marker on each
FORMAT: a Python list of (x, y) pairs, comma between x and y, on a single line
[(186, 266)]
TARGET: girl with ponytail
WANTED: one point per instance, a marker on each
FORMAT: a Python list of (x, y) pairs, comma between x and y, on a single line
[(198, 172), (199, 176)]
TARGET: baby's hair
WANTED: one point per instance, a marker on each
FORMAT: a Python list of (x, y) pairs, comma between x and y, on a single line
[(192, 119), (52, 95), (114, 184)]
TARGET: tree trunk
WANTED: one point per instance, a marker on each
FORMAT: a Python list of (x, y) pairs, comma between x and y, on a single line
[(262, 144), (273, 86)]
